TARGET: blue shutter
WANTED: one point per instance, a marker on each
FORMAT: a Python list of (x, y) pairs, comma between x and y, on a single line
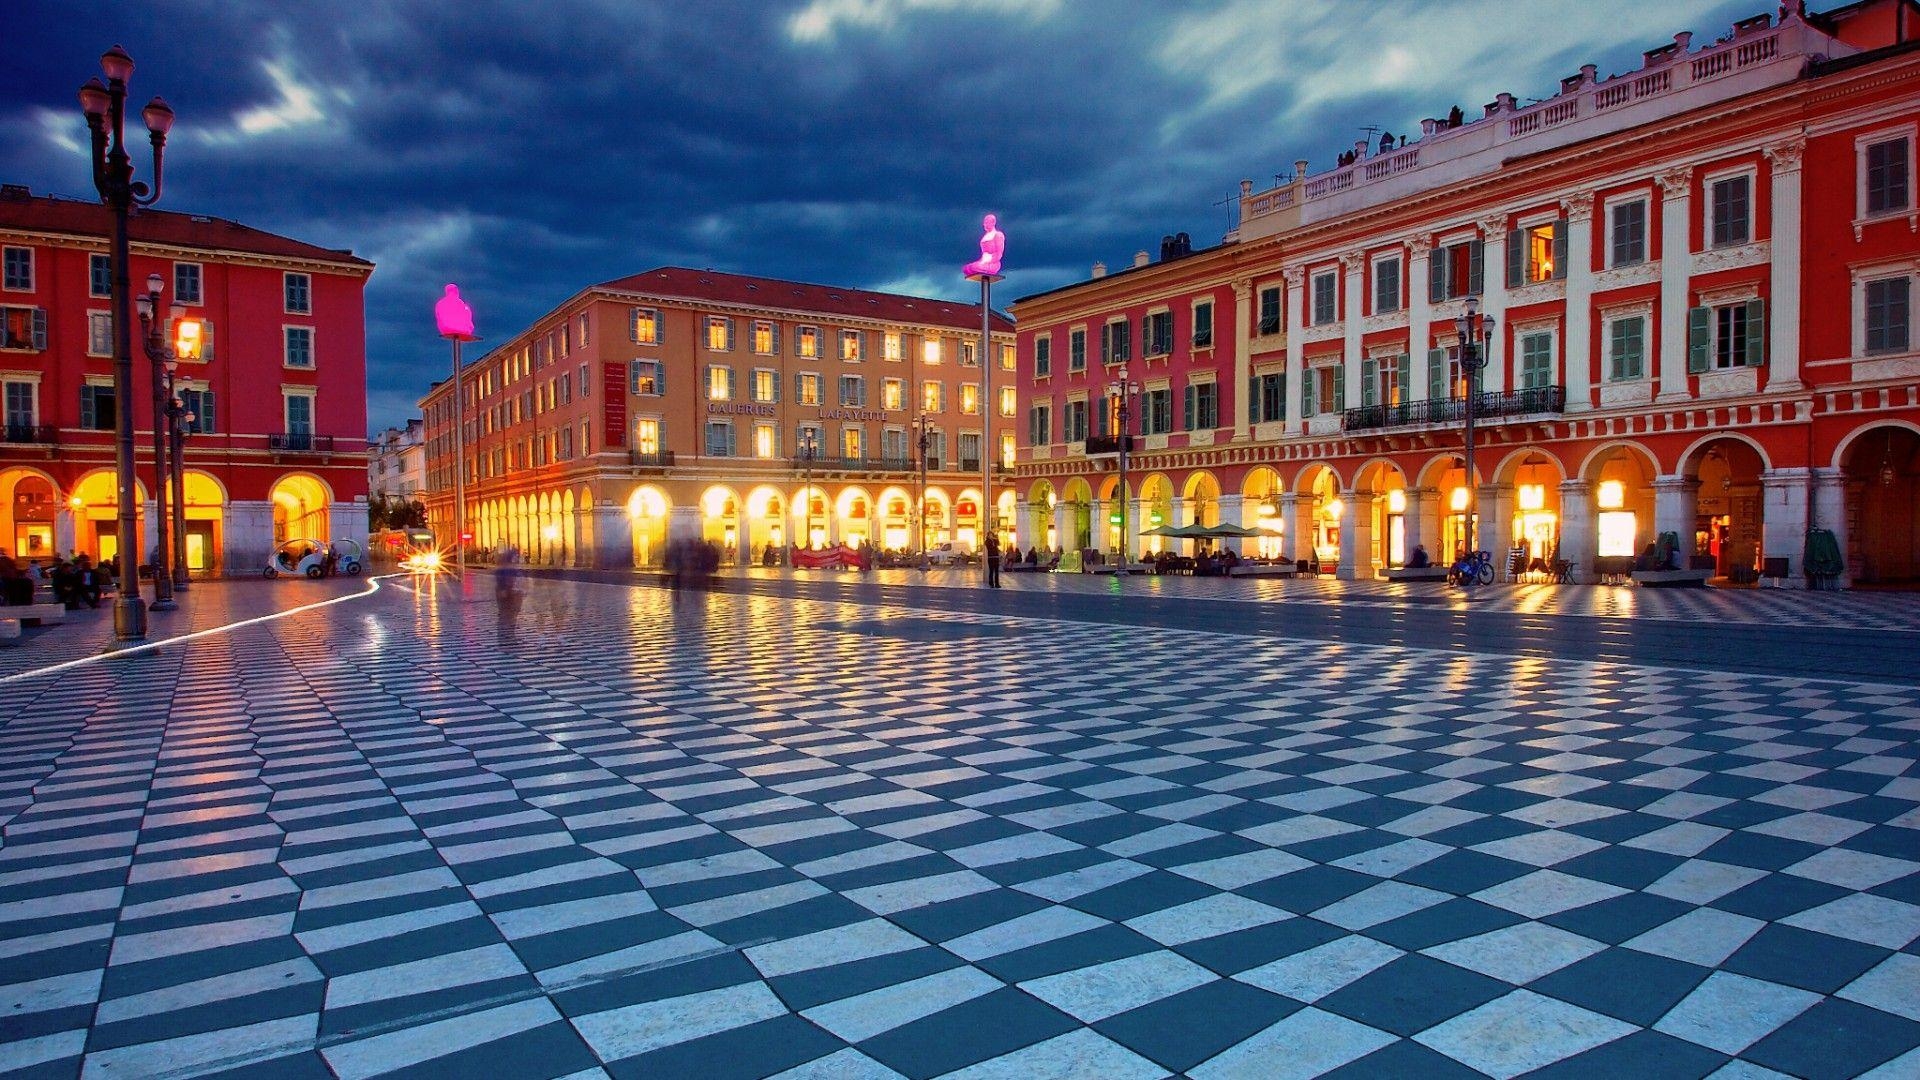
[(1756, 329), (1253, 401), (1699, 340), (88, 414), (40, 329), (1405, 380), (205, 415), (1189, 409)]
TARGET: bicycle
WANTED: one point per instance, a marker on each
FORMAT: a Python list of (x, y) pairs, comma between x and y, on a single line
[(1475, 568)]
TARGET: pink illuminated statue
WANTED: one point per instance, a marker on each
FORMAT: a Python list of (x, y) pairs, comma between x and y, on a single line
[(454, 316), (993, 244)]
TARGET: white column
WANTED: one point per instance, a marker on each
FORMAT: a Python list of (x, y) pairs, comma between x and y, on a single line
[(348, 521), (1783, 303), (1419, 315), (1830, 512), (1577, 347), (612, 533), (1061, 538), (1300, 524), (1289, 519), (1242, 357), (63, 532), (246, 535), (1783, 511), (1231, 513), (1493, 302), (1354, 269), (1131, 550), (1493, 532), (1673, 511), (1676, 275), (683, 523), (1414, 520), (1296, 277), (1579, 529), (1356, 537), (1098, 530)]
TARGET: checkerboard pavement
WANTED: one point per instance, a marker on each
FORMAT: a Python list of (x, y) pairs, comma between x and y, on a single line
[(744, 836)]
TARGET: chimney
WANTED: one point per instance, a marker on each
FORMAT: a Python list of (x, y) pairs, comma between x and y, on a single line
[(1183, 244), (1167, 251), (1683, 41), (15, 191), (1246, 188), (1299, 170), (1099, 270), (1140, 258)]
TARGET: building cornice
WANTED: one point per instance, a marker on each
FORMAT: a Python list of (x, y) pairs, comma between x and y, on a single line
[(192, 254)]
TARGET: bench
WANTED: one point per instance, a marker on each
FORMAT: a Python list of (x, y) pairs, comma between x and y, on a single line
[(1416, 573), (1279, 570), (1672, 579), (35, 614)]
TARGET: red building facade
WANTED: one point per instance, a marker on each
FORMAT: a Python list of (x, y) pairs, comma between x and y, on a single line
[(1701, 275), (277, 449)]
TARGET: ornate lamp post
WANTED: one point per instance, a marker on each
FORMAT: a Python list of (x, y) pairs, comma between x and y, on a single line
[(1473, 329), (105, 106), (809, 446), (923, 425), (1124, 389), (162, 356), (986, 271), (179, 418), (454, 320)]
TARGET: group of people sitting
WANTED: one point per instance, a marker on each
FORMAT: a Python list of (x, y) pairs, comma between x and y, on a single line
[(1206, 563), (73, 581)]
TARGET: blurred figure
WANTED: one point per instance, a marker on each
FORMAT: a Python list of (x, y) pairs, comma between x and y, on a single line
[(506, 590), (675, 564), (993, 559)]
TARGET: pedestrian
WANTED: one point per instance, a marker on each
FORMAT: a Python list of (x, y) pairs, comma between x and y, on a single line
[(675, 564), (507, 593), (993, 559)]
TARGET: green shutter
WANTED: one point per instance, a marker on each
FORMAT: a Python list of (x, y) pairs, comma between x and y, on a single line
[(87, 412), (1187, 410), (1253, 401), (1476, 267), (733, 391), (776, 380), (1146, 335), (1699, 339), (1405, 380), (1280, 381), (1339, 388), (1756, 333), (1106, 343), (1307, 394), (1560, 250), (1369, 378), (1437, 275), (1437, 388), (1516, 258)]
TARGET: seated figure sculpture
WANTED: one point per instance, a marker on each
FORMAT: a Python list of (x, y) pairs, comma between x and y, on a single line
[(454, 317), (993, 244)]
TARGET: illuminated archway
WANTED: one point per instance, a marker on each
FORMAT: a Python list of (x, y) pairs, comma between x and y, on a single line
[(895, 520), (647, 514), (720, 520), (1041, 530), (766, 525), (1728, 519), (29, 501), (1880, 465), (1260, 506), (854, 512), (1078, 497), (1388, 527), (204, 503)]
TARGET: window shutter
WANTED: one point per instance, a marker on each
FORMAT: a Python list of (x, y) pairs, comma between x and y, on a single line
[(1100, 420), (1369, 379), (732, 387), (1307, 395), (1146, 335), (1636, 352), (1437, 276), (1437, 375), (1476, 267), (1756, 333), (1516, 258), (1106, 343), (1253, 401), (88, 416), (1339, 389), (1560, 250), (1405, 381), (1280, 381), (1699, 339), (776, 380), (40, 329), (206, 339), (204, 414), (660, 378), (633, 325)]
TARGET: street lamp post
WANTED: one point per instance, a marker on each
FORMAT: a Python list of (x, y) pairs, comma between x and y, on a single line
[(809, 445), (986, 271), (179, 418), (1124, 389), (454, 319), (1473, 328), (922, 424), (105, 106), (160, 356)]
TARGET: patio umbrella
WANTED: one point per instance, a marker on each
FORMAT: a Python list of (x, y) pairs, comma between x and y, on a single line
[(1228, 529), (1158, 530)]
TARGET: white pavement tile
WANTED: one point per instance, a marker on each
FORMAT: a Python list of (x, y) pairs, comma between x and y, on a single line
[(1297, 830), (465, 968), (1311, 975), (1380, 903), (863, 1016), (133, 948), (1393, 859), (415, 1044), (1077, 1055), (51, 992), (1683, 838), (1209, 916), (1521, 1032), (1246, 868), (1731, 1012), (192, 1054), (631, 1030), (1306, 1044), (847, 1064), (1091, 994), (287, 973), (896, 896), (1015, 848), (1858, 870), (1049, 923), (566, 915), (1702, 881), (826, 948), (1061, 888), (1546, 847), (1517, 954), (1547, 892), (1876, 920), (1703, 936), (1892, 987), (21, 1054)]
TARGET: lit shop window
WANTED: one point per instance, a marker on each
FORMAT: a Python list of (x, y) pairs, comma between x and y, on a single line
[(1618, 527)]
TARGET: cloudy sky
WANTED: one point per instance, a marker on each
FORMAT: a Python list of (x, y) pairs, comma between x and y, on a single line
[(528, 149)]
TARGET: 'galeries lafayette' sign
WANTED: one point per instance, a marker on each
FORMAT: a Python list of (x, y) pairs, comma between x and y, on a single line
[(734, 408)]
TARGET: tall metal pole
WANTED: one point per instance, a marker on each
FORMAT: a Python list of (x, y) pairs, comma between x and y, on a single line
[(1120, 496), (459, 468), (921, 424), (806, 491), (987, 522), (177, 436), (1468, 349), (156, 348)]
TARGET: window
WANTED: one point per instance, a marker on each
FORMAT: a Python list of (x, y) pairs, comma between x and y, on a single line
[(566, 388), (1156, 412), (970, 399), (565, 450), (806, 388), (1116, 342), (299, 293), (99, 275), (643, 326), (853, 391), (766, 440), (1536, 361), (99, 333), (1456, 270), (1267, 398), (299, 414), (967, 358), (1270, 310), (1156, 333), (97, 412), (893, 393), (806, 342), (766, 338), (1203, 325), (1326, 298), (1202, 407), (766, 385), (719, 438), (1537, 253), (648, 377), (809, 441), (1040, 425), (299, 346), (646, 436), (1006, 450), (1009, 401), (893, 445), (23, 328), (1386, 285), (18, 274), (719, 382), (1323, 390), (1889, 315), (892, 347), (853, 346), (1076, 422), (21, 411), (853, 443), (936, 449), (200, 403), (1627, 349), (1728, 336), (1009, 360), (1627, 233), (1729, 201), (969, 450), (1077, 350), (719, 333), (1446, 378), (930, 351), (586, 387), (585, 327), (1042, 356), (186, 283), (1889, 176), (933, 397), (1384, 379)]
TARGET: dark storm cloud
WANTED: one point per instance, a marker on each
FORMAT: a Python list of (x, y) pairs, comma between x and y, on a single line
[(529, 149)]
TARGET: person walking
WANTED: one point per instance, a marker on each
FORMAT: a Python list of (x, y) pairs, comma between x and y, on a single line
[(993, 559), (506, 591)]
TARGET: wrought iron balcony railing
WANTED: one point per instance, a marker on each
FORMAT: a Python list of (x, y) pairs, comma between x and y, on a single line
[(301, 442), (1107, 444), (655, 459), (1489, 405), (30, 433)]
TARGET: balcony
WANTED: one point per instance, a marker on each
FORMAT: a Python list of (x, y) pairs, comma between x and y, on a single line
[(301, 442), (650, 459), (1107, 444), (1488, 406), (45, 434), (861, 463)]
